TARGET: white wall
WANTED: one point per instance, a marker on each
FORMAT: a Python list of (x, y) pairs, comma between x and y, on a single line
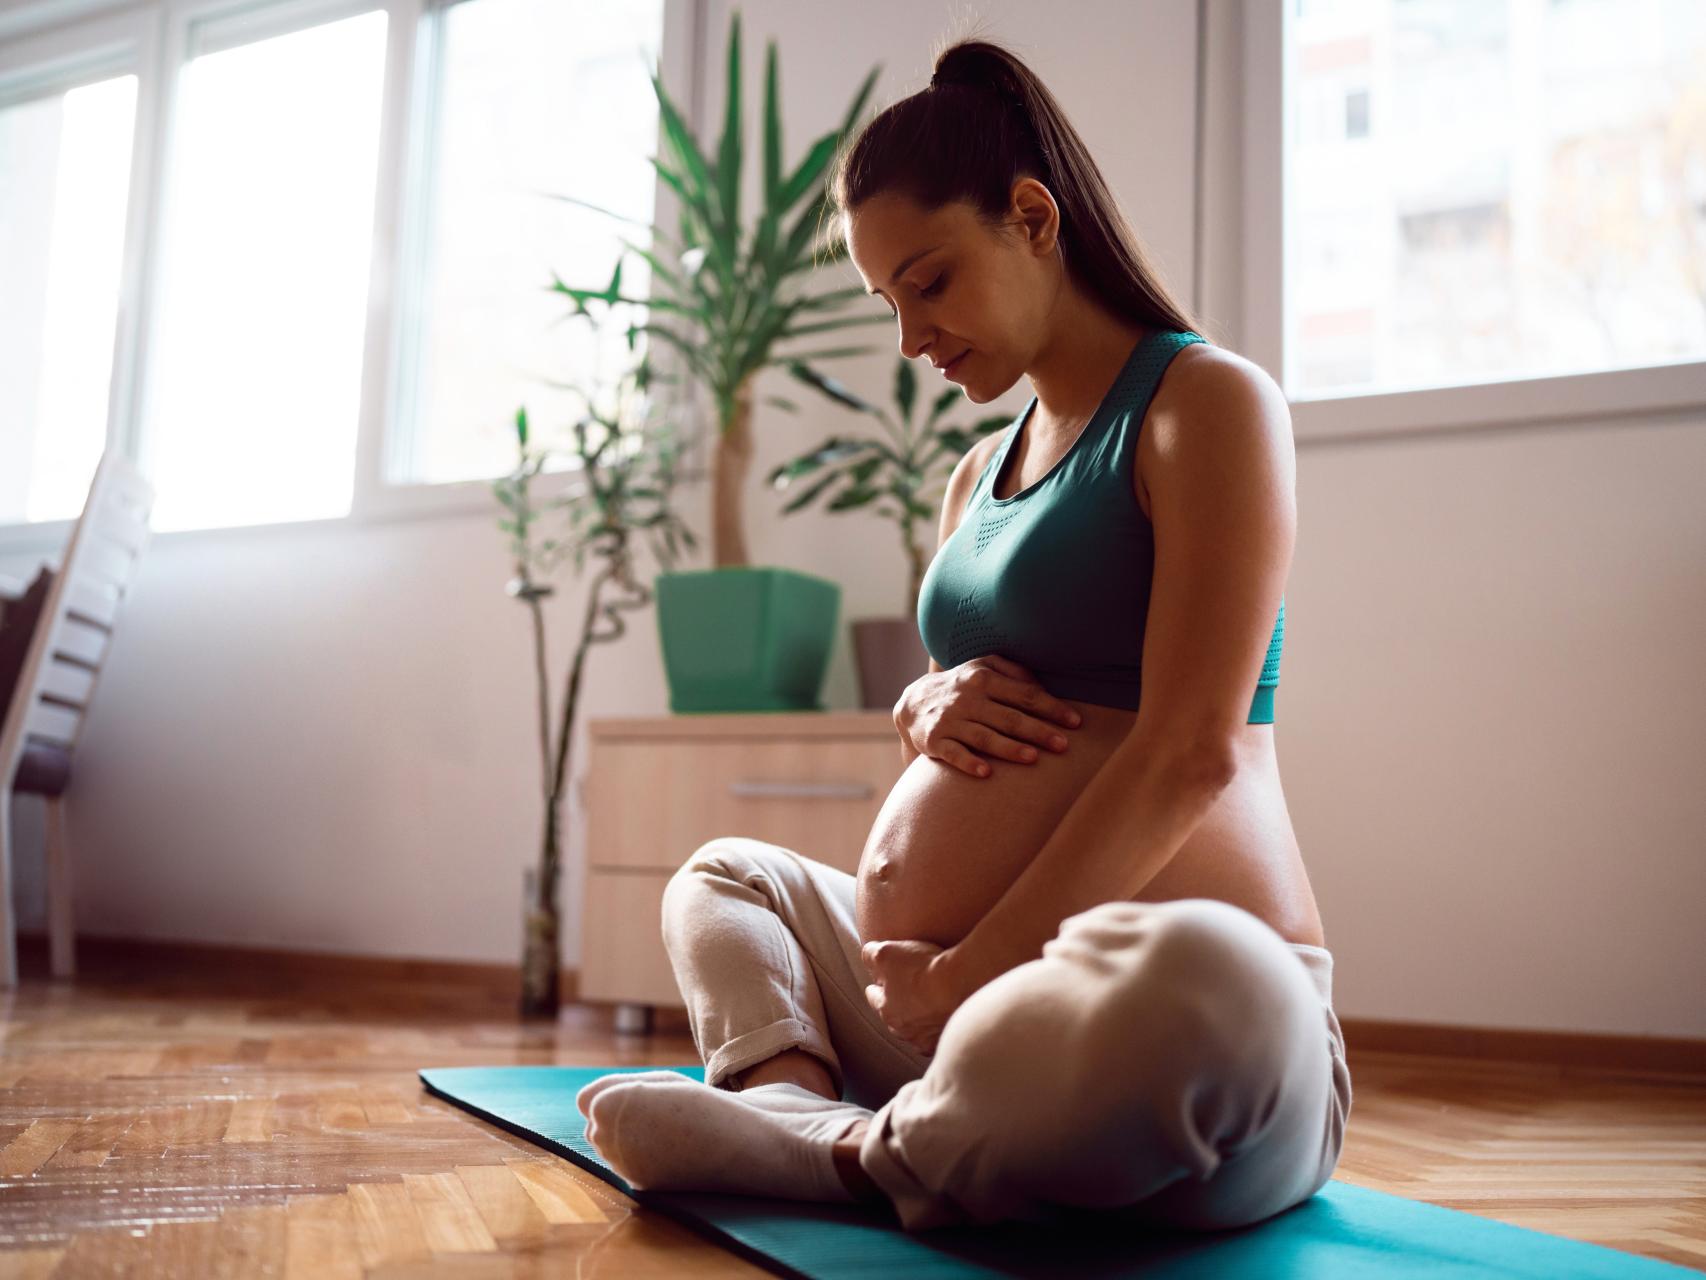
[(1491, 722)]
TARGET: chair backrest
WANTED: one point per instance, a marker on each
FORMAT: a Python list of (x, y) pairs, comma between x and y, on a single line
[(75, 629)]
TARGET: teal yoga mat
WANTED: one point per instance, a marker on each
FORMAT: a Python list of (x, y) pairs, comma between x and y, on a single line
[(1342, 1231)]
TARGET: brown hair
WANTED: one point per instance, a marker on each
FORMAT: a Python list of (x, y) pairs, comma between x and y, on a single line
[(984, 122)]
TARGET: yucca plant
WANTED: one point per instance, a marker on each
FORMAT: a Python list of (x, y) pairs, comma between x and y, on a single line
[(899, 467), (629, 460), (736, 293)]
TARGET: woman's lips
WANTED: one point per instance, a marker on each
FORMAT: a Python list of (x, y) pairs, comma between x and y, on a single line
[(952, 365)]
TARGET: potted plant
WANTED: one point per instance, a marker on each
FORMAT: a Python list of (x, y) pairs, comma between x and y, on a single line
[(739, 638), (889, 651), (628, 460)]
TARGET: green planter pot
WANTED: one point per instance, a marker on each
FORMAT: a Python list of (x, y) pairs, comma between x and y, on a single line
[(746, 638)]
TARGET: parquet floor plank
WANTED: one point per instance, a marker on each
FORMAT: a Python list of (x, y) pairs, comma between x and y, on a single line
[(204, 1120)]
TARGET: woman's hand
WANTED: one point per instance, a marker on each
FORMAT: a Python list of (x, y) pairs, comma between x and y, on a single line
[(989, 704), (914, 989)]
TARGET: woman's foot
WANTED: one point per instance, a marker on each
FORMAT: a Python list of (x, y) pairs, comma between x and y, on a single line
[(662, 1130)]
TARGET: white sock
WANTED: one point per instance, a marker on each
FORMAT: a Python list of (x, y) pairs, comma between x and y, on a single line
[(785, 1096), (663, 1131)]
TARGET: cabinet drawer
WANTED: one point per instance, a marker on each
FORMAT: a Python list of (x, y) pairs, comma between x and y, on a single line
[(622, 952), (650, 804)]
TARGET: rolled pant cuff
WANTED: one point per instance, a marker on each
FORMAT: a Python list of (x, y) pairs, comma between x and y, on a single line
[(766, 1042), (883, 1162)]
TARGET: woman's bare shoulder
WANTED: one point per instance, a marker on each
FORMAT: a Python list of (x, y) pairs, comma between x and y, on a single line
[(1205, 383), (1203, 377)]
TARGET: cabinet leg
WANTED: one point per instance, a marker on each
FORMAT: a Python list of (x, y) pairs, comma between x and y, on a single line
[(634, 1019)]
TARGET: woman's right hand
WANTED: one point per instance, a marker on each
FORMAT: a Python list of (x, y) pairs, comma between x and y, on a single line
[(989, 704)]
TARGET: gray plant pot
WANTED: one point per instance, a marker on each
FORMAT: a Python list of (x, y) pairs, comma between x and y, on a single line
[(889, 654)]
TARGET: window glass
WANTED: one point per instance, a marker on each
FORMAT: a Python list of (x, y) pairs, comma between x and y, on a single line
[(534, 97), (1492, 189), (64, 184), (265, 278)]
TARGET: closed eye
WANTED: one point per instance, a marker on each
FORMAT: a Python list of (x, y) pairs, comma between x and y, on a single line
[(928, 291)]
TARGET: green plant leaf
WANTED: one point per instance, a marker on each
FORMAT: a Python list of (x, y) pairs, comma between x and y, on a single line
[(695, 187), (942, 404), (853, 499), (772, 155), (794, 256), (810, 169), (834, 298), (828, 386), (658, 269), (905, 388), (657, 233), (729, 147), (834, 450), (583, 296), (692, 352), (811, 492), (828, 353), (845, 323), (956, 439)]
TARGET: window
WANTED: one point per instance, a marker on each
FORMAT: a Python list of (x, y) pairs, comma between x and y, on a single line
[(535, 98), (64, 183), (319, 288), (1508, 190), (264, 278)]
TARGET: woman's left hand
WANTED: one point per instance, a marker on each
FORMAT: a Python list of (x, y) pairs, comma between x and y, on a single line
[(913, 992)]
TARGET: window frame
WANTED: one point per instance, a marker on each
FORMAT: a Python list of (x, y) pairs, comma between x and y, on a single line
[(1638, 392), (48, 49)]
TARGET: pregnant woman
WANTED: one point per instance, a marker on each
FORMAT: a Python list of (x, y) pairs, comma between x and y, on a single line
[(1080, 967)]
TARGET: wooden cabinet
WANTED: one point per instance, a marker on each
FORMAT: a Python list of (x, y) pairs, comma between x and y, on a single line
[(658, 787)]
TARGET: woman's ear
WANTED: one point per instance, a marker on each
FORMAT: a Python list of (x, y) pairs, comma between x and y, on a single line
[(1035, 209)]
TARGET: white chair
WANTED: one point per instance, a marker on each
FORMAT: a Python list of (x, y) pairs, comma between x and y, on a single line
[(66, 652)]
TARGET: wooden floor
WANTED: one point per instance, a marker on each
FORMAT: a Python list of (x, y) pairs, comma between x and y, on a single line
[(162, 1119)]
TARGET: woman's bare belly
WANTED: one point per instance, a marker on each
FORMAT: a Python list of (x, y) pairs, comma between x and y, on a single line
[(946, 846)]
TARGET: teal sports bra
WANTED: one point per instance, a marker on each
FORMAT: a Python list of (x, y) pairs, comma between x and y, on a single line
[(1028, 576)]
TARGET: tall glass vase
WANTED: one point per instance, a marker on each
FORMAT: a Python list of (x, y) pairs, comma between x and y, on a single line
[(540, 958)]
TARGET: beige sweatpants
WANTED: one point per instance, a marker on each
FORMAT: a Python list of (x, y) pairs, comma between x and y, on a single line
[(1177, 1062)]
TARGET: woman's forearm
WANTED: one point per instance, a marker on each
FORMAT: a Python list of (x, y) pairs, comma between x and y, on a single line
[(1123, 828)]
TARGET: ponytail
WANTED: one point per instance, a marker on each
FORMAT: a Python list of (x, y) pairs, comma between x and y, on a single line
[(984, 122)]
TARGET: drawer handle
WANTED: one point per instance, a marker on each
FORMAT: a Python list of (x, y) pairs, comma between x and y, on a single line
[(810, 790)]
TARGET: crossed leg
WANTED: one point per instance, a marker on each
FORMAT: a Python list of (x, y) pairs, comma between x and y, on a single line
[(1191, 1069)]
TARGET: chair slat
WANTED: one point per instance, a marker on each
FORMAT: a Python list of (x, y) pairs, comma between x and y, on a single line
[(53, 722), (86, 644), (94, 602), (134, 489), (67, 683), (119, 522), (105, 561)]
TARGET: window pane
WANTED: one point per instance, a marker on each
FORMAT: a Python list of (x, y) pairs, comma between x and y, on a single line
[(269, 229), (64, 179), (1485, 190), (535, 97)]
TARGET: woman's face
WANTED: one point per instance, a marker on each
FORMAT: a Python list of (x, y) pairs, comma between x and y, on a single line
[(959, 288)]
